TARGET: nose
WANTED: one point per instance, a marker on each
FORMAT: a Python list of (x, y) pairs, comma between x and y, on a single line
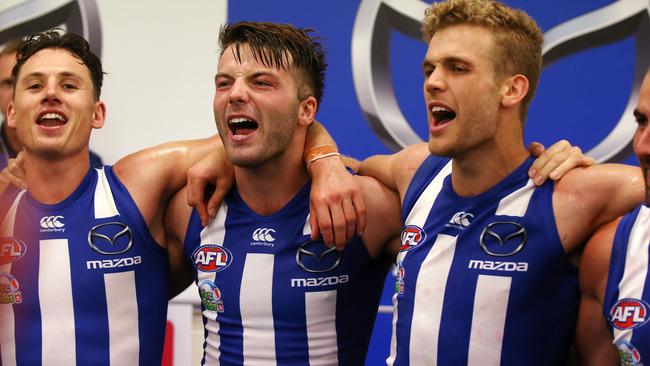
[(435, 81), (238, 92), (51, 92)]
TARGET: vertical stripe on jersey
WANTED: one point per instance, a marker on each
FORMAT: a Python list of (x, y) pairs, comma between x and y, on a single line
[(214, 233), (256, 307), (104, 203), (320, 311), (516, 203), (7, 340), (418, 216), (429, 299), (306, 229), (57, 310), (636, 266), (122, 309), (488, 320)]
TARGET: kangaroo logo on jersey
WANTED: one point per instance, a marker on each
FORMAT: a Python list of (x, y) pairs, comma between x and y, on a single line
[(412, 236), (460, 220), (629, 314), (211, 258), (503, 238), (9, 290), (210, 296), (315, 257), (52, 224), (110, 238), (11, 249), (628, 354)]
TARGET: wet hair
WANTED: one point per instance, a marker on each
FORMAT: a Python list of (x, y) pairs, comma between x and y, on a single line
[(280, 46), (70, 42), (518, 39)]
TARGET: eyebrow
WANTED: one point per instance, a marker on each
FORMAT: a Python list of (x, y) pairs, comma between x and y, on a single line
[(638, 114), (65, 74)]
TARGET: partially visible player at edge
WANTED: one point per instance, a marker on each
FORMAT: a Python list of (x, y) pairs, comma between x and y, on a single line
[(614, 308)]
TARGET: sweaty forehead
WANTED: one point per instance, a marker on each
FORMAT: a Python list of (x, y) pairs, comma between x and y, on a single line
[(54, 61)]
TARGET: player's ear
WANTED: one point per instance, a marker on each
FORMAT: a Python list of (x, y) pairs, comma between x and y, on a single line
[(99, 115), (11, 115), (513, 90), (307, 111)]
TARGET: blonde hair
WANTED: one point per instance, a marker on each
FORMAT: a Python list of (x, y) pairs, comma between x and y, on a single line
[(518, 39)]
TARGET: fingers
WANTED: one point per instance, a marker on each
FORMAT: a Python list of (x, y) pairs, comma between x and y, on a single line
[(219, 194), (195, 198), (548, 160), (536, 148), (361, 214), (324, 222), (313, 223)]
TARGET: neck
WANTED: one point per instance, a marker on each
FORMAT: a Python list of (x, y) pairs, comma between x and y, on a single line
[(11, 139), (51, 181), (481, 168), (268, 188)]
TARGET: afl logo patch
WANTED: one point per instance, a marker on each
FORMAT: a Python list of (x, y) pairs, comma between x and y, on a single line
[(211, 258), (629, 314), (11, 249), (412, 236)]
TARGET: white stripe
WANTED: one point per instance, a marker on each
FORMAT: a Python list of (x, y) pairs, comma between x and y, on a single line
[(320, 311), (10, 219), (429, 298), (57, 311), (256, 307), (422, 207), (104, 202), (516, 203), (393, 338), (122, 308), (7, 339), (636, 266), (306, 230), (488, 320), (214, 233)]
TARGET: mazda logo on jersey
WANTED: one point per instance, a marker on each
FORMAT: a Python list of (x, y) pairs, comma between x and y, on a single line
[(503, 238), (110, 238), (629, 313), (211, 258), (315, 257), (11, 249)]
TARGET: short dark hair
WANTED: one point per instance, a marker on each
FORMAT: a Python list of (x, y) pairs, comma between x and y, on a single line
[(280, 46), (75, 44)]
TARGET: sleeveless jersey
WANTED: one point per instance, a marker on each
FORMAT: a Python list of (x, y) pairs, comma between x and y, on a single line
[(482, 280), (626, 296), (271, 296), (82, 282)]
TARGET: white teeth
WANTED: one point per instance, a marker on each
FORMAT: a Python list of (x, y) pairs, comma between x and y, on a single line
[(52, 116), (439, 109), (238, 120)]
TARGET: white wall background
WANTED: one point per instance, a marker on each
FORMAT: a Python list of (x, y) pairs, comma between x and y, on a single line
[(161, 58)]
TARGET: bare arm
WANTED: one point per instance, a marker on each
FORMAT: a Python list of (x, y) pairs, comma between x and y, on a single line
[(177, 217), (593, 342), (384, 219), (153, 175), (589, 197)]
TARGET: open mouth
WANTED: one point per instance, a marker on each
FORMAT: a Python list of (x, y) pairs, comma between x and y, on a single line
[(242, 126), (51, 120), (442, 115)]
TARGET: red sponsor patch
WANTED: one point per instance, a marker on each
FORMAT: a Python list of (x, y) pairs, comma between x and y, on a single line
[(629, 313), (211, 258), (412, 236), (11, 249)]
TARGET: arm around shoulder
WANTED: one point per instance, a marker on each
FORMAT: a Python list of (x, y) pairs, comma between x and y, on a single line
[(395, 171), (177, 217), (593, 341)]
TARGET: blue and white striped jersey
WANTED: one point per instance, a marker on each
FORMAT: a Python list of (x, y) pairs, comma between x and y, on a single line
[(626, 296), (482, 280), (271, 296), (82, 282)]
